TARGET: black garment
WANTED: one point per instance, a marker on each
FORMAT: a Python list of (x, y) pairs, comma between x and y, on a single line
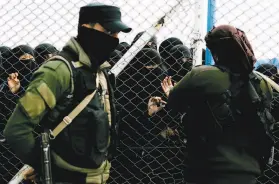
[(42, 51), (5, 54), (136, 84), (24, 67), (167, 45), (237, 178), (96, 44), (179, 63)]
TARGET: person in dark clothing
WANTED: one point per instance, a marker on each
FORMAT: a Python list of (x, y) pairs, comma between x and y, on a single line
[(114, 57), (151, 61), (152, 44), (167, 45), (226, 139), (137, 82), (140, 79), (6, 54), (43, 52), (180, 62), (6, 96), (164, 50), (10, 87), (123, 47)]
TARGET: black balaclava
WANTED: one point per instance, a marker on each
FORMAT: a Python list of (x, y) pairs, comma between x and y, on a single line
[(6, 54), (24, 67), (123, 47), (97, 45), (167, 45), (180, 62), (152, 44), (43, 51), (114, 57)]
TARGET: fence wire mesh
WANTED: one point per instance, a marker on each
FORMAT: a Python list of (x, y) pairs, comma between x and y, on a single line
[(150, 149), (260, 22)]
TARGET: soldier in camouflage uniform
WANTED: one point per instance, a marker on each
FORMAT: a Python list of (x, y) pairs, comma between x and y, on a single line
[(80, 152)]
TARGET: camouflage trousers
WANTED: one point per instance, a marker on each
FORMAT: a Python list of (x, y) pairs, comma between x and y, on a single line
[(93, 176)]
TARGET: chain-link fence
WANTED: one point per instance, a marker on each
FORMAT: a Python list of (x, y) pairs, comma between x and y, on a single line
[(260, 22), (151, 150)]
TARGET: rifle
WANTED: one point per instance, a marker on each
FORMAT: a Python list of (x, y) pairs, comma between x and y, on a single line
[(46, 159)]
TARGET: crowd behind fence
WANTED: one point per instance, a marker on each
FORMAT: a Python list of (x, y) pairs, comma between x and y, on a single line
[(151, 150)]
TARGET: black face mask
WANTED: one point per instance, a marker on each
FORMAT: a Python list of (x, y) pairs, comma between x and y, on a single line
[(97, 45)]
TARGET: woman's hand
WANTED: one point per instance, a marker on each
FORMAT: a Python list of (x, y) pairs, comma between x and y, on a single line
[(155, 104), (167, 85), (13, 82)]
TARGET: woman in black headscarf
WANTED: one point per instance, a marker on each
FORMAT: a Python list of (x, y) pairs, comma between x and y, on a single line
[(179, 63), (167, 45), (8, 97), (23, 63), (164, 50), (6, 54), (140, 80), (43, 52)]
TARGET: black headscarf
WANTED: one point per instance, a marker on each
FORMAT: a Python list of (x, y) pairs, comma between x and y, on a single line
[(180, 62), (136, 84), (42, 52), (167, 45), (6, 54), (24, 67), (138, 81), (146, 81)]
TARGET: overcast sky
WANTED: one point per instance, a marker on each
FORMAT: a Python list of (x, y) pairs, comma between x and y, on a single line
[(258, 18), (54, 21)]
